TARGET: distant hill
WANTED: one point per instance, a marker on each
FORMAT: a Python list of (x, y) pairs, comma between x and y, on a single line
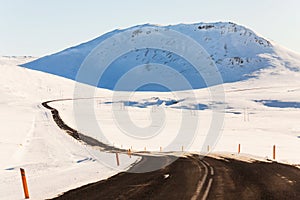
[(238, 53)]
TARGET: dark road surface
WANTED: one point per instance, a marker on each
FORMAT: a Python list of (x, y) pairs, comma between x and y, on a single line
[(187, 178), (192, 177), (259, 180)]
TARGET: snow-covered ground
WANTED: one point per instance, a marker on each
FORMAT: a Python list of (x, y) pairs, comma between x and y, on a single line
[(29, 139), (257, 127), (261, 110)]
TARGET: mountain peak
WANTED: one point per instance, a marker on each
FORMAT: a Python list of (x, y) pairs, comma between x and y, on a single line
[(237, 51)]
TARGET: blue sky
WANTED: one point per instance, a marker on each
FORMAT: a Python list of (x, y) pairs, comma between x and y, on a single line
[(41, 27)]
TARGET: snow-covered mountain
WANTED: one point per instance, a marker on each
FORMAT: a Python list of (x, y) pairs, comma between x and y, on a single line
[(238, 53), (259, 112)]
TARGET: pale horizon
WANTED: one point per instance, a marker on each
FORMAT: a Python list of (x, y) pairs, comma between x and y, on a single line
[(41, 28)]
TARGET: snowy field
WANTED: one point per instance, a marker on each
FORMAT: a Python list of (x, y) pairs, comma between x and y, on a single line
[(55, 162), (29, 139), (248, 121), (261, 110)]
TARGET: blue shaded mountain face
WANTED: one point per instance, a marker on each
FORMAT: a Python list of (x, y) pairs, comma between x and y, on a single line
[(147, 57), (237, 52)]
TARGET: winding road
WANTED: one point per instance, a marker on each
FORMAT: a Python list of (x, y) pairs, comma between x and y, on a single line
[(188, 177)]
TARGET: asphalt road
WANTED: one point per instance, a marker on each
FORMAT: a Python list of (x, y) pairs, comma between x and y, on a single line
[(197, 178), (235, 179), (176, 181)]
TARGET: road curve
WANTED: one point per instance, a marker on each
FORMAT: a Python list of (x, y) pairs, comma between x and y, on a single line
[(221, 179), (74, 133), (176, 181), (190, 177)]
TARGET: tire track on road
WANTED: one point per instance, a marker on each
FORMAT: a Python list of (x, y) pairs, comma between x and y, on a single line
[(204, 184)]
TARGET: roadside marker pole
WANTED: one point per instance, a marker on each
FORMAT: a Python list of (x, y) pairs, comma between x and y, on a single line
[(144, 148), (181, 148), (117, 157), (160, 149), (25, 187), (129, 153), (207, 148), (274, 152), (239, 148)]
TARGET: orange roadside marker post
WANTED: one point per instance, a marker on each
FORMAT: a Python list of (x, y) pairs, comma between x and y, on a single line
[(274, 152), (25, 187), (239, 148), (129, 153)]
